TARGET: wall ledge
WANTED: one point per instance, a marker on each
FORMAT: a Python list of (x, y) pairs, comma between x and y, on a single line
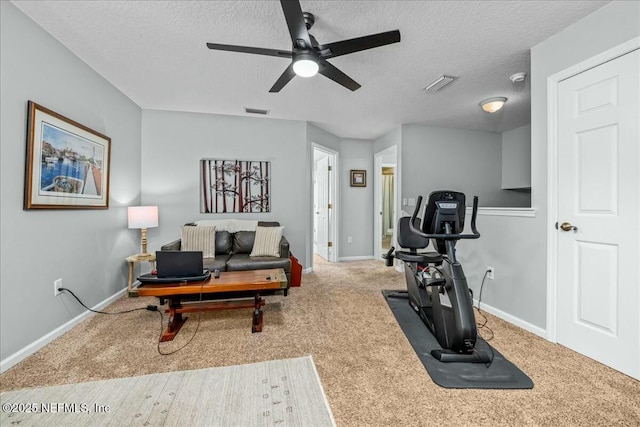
[(513, 212)]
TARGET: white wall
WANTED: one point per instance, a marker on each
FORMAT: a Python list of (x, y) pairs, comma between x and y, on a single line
[(173, 144), (86, 248), (356, 202)]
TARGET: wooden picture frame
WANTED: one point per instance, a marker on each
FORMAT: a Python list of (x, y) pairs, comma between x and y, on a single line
[(358, 178), (67, 164)]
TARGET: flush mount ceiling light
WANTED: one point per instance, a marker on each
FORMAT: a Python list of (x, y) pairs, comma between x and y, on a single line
[(305, 65), (492, 105)]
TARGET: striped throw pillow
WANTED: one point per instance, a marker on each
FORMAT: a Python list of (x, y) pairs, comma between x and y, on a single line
[(267, 241), (199, 238)]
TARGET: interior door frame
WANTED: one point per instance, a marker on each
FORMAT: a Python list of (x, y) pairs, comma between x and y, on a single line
[(553, 83), (334, 197), (377, 227)]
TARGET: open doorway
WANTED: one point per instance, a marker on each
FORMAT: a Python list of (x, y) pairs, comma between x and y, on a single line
[(385, 195), (324, 204), (387, 208)]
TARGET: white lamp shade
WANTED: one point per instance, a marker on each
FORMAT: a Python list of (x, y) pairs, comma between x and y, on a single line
[(142, 216), (305, 67)]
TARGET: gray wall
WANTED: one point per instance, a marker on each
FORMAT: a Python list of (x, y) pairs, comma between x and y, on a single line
[(356, 202), (517, 246), (86, 248), (516, 158), (322, 137), (516, 165), (607, 27), (173, 144), (389, 140), (469, 161)]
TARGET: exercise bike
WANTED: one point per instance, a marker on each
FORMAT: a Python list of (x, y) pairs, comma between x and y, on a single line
[(436, 285)]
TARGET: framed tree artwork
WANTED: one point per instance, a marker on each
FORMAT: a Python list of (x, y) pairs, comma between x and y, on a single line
[(67, 164), (235, 186), (358, 178)]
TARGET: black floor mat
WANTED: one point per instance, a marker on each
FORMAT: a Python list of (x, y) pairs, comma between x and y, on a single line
[(500, 374)]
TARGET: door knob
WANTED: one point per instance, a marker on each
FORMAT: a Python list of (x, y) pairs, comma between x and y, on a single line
[(566, 226)]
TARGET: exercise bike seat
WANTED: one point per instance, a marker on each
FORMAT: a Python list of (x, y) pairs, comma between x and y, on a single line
[(410, 240), (420, 258)]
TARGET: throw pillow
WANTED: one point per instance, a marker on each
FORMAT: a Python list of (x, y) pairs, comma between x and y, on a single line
[(200, 238), (267, 241)]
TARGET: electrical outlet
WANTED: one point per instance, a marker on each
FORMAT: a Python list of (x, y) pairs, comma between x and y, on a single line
[(349, 239), (490, 273), (56, 285)]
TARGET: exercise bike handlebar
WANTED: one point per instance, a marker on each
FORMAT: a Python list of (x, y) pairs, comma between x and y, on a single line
[(474, 230)]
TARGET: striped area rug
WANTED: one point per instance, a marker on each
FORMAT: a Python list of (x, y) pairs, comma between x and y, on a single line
[(275, 393)]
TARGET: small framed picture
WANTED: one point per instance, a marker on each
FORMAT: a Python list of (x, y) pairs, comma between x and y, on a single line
[(358, 178), (67, 164)]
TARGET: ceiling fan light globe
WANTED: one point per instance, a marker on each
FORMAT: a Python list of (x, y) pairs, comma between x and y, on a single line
[(305, 67)]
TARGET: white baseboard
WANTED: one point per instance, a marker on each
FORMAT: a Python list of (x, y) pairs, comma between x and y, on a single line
[(513, 320), (355, 258), (307, 270), (27, 351)]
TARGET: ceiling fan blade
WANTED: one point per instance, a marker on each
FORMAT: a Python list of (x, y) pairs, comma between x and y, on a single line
[(246, 49), (295, 22), (361, 43), (284, 79), (330, 71)]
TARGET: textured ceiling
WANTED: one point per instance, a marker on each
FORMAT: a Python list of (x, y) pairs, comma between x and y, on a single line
[(155, 53)]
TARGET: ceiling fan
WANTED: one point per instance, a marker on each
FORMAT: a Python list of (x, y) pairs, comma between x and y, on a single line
[(307, 55)]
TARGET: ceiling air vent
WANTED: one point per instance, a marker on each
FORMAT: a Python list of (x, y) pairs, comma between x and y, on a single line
[(256, 111), (438, 83)]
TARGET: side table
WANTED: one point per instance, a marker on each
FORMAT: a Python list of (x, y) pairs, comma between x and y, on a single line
[(132, 260)]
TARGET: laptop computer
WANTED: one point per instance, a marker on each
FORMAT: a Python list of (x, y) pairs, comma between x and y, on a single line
[(177, 266)]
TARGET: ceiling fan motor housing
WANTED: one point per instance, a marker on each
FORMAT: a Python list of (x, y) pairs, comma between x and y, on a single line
[(308, 56), (309, 19)]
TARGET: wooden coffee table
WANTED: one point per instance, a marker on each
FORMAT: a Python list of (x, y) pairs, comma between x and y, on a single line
[(251, 282)]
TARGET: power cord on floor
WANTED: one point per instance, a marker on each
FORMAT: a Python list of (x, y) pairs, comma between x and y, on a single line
[(148, 308), (483, 324), (180, 348), (190, 339)]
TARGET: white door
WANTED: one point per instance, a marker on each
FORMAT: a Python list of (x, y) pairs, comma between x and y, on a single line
[(599, 195), (322, 207)]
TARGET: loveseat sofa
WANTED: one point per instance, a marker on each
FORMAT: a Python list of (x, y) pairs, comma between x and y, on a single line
[(234, 244)]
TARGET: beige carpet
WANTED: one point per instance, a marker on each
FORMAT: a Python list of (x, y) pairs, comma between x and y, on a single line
[(281, 392), (370, 373)]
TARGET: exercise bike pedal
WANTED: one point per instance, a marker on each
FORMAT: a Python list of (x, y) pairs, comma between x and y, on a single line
[(449, 356), (439, 281)]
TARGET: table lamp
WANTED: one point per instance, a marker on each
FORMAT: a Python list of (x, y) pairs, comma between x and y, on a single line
[(143, 217)]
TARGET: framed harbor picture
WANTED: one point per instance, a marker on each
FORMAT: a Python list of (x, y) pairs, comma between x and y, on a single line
[(67, 164)]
